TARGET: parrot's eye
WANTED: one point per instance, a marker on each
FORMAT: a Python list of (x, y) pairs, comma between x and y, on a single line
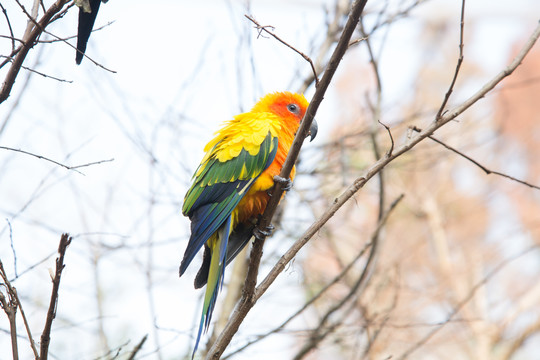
[(293, 108)]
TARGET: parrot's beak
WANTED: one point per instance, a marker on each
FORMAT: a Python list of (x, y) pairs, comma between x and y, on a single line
[(313, 130)]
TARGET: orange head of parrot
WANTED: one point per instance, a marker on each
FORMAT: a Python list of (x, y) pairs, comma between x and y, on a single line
[(290, 107)]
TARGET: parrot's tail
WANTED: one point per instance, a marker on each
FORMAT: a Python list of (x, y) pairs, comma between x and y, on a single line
[(218, 248)]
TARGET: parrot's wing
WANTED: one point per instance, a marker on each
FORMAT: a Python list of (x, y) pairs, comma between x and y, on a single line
[(218, 188)]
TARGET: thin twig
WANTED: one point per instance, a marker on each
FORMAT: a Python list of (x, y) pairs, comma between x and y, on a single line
[(137, 348), (9, 306), (29, 41), (14, 295), (357, 41), (65, 240), (11, 309), (65, 39), (7, 58), (389, 152), (262, 28), (10, 28), (333, 31), (485, 169), (74, 168), (26, 325), (12, 247), (31, 17), (458, 65), (45, 75)]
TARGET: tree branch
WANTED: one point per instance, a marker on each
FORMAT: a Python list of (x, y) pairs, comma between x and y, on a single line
[(65, 240), (485, 169), (262, 28), (458, 65), (9, 305), (74, 168), (12, 36), (28, 43), (137, 348)]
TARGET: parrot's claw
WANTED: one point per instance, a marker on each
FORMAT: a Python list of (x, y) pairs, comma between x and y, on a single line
[(261, 234), (286, 184)]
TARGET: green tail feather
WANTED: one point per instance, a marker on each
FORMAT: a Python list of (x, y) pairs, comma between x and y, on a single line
[(218, 248)]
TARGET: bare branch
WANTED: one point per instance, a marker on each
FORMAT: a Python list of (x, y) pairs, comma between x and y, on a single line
[(485, 169), (10, 28), (29, 41), (31, 17), (333, 31), (65, 39), (458, 65), (357, 41), (65, 240), (137, 348), (43, 74), (389, 152), (26, 325), (376, 111), (307, 58), (9, 305), (74, 168)]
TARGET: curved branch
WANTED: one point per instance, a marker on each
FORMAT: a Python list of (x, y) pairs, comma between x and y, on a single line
[(262, 28), (74, 168)]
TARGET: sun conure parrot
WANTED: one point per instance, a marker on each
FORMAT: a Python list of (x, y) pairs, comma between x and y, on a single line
[(230, 187)]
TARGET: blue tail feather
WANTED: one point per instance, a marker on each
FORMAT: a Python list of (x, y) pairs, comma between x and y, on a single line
[(217, 266)]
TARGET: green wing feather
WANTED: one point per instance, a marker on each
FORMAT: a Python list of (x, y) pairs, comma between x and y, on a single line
[(218, 187)]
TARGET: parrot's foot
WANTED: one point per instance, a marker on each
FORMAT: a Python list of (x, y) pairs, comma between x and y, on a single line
[(286, 184), (261, 234)]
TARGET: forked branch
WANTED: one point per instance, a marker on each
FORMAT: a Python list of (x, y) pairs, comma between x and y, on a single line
[(65, 240)]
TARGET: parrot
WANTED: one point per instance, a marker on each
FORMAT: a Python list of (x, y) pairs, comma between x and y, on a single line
[(88, 10), (230, 188)]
